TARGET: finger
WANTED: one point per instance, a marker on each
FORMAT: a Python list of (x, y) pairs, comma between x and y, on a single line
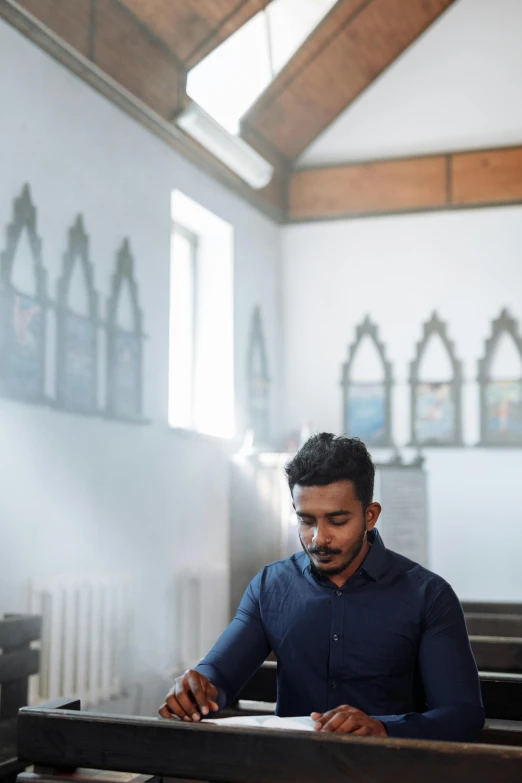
[(350, 725), (364, 731), (173, 707), (316, 715), (165, 712), (337, 720), (212, 695), (184, 698), (324, 717), (199, 693)]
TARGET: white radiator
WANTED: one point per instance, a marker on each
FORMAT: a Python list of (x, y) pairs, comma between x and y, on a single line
[(201, 613), (85, 637)]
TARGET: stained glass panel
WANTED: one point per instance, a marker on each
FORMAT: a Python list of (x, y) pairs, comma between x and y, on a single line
[(366, 412), (79, 367), (503, 401)]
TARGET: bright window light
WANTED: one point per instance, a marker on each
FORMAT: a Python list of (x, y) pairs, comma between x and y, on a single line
[(182, 327), (231, 78), (201, 366)]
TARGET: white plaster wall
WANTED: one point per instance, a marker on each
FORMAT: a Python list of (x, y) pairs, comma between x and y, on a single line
[(82, 494), (456, 87), (467, 266)]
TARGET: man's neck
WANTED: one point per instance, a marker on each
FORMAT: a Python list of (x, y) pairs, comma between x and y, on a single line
[(342, 578)]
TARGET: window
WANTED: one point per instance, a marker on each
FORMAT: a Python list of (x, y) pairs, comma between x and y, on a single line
[(182, 327), (201, 354), (262, 47)]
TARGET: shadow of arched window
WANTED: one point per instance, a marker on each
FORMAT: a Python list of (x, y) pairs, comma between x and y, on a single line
[(124, 342), (77, 325), (500, 384), (436, 389), (366, 382), (23, 306)]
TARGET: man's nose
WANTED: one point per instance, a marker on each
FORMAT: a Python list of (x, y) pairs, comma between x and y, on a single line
[(321, 536)]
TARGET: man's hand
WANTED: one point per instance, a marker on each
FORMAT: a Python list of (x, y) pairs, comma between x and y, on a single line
[(191, 696), (348, 720)]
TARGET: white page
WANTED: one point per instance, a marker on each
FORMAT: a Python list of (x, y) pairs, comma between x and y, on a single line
[(300, 723)]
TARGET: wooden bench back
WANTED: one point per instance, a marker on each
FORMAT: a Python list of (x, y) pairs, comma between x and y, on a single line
[(17, 661)]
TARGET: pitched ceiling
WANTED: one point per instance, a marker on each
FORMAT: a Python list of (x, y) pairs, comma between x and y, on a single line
[(193, 28), (353, 45)]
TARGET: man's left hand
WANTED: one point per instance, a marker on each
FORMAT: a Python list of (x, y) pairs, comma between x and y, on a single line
[(348, 720)]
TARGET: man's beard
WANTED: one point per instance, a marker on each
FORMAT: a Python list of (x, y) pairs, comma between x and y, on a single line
[(351, 554)]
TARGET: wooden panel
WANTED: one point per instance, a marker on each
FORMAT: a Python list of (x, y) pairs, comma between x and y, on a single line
[(497, 653), (206, 752), (491, 607), (366, 37), (18, 630), (192, 28), (493, 176), (494, 624), (385, 186), (71, 21), (19, 665), (502, 696), (125, 50)]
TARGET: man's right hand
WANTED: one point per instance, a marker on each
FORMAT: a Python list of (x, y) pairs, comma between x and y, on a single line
[(191, 697)]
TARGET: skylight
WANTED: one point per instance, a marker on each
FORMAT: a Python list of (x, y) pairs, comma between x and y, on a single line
[(231, 78)]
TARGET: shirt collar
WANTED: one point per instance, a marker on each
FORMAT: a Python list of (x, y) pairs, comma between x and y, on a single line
[(373, 565)]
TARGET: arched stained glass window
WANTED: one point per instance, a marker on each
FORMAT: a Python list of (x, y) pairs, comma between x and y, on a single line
[(436, 385), (124, 342), (23, 305), (500, 383), (258, 382), (77, 308), (367, 382)]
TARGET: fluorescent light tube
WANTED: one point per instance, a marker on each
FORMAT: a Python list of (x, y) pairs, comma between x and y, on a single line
[(231, 150)]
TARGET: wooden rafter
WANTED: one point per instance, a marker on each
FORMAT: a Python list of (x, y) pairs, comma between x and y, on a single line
[(351, 47), (451, 181), (193, 28)]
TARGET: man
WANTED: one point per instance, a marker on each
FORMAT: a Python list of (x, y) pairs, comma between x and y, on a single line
[(367, 641)]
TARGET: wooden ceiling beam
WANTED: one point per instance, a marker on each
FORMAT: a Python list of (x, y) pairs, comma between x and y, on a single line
[(111, 62), (349, 49), (193, 28), (435, 182)]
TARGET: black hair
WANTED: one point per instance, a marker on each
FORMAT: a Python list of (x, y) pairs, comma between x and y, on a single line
[(325, 458)]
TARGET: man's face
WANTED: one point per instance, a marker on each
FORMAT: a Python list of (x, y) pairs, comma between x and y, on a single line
[(332, 524)]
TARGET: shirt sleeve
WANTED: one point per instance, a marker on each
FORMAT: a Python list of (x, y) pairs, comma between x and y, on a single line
[(240, 650), (449, 676)]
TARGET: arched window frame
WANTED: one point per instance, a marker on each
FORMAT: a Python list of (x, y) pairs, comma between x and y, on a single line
[(368, 329), (436, 327), (24, 217), (505, 323), (257, 347), (77, 253), (124, 273)]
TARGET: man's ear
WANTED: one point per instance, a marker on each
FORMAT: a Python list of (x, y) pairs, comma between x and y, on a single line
[(372, 515)]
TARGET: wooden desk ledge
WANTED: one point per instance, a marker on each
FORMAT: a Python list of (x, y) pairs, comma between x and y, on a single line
[(249, 755)]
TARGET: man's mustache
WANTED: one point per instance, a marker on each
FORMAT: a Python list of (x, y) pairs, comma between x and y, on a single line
[(313, 550)]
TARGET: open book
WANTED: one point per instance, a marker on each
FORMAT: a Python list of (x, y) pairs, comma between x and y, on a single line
[(303, 723)]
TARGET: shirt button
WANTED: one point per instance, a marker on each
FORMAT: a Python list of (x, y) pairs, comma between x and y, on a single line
[(336, 638), (334, 684), (339, 592)]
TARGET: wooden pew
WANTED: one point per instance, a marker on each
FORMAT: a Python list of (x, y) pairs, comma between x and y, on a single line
[(497, 653), (59, 738), (17, 662), (508, 625), (501, 693), (491, 607)]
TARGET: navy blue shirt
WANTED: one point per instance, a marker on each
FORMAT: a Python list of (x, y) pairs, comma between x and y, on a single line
[(392, 642)]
